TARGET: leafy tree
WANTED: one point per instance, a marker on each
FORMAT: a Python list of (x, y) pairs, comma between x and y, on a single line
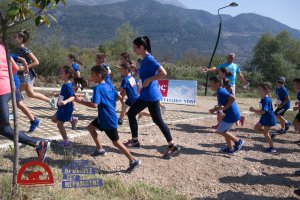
[(121, 43), (13, 13), (275, 56)]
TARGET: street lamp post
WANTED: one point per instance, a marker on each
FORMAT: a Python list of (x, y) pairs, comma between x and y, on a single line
[(233, 4)]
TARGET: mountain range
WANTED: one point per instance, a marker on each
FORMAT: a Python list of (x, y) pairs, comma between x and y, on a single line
[(172, 28)]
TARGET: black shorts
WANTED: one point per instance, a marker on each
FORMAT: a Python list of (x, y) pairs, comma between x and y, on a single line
[(297, 117), (280, 111), (18, 96), (112, 133)]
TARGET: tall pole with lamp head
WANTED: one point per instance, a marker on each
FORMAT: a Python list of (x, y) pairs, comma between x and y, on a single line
[(233, 4)]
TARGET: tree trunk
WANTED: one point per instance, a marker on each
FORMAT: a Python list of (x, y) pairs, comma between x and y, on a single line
[(14, 106)]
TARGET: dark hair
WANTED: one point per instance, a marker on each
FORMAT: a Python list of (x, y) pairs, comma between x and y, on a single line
[(296, 80), (80, 81), (126, 67), (75, 58), (24, 34), (265, 86), (100, 70), (101, 55), (226, 82), (217, 79), (226, 71), (143, 41), (139, 60), (69, 71), (126, 56)]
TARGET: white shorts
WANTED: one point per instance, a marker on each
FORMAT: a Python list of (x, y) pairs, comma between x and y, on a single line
[(224, 127)]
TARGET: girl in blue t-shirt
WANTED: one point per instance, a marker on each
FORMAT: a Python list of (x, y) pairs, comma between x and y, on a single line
[(268, 118), (64, 104), (150, 72), (231, 114), (75, 63)]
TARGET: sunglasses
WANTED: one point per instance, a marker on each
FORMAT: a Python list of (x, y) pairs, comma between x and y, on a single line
[(280, 82)]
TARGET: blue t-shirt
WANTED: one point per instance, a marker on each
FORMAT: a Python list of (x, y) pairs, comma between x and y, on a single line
[(75, 67), (16, 77), (105, 97), (129, 85), (233, 68), (281, 94), (232, 113), (269, 118), (64, 113), (108, 79), (149, 67)]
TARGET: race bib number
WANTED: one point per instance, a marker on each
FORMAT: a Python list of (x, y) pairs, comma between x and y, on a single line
[(132, 82)]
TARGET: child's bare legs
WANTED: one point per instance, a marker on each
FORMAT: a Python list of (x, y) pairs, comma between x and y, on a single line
[(219, 119), (25, 110), (144, 114), (124, 150), (123, 111), (60, 126), (230, 138), (32, 94), (92, 129), (266, 132), (281, 120)]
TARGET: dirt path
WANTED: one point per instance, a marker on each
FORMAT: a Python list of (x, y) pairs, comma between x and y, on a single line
[(200, 171)]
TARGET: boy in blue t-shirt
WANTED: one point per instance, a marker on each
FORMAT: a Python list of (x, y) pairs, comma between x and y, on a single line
[(230, 111), (283, 104), (129, 88), (268, 118), (104, 98), (65, 104), (34, 122), (296, 108)]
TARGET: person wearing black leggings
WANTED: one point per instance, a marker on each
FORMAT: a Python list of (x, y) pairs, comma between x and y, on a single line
[(150, 95), (41, 145)]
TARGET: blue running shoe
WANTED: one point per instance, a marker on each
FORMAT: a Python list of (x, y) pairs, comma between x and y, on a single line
[(227, 150), (34, 124), (287, 126), (297, 172), (133, 165), (239, 145), (270, 150), (97, 153)]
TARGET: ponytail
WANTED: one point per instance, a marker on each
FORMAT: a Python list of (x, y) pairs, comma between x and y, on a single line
[(226, 71), (143, 41)]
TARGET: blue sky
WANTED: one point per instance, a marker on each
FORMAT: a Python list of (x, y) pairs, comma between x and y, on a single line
[(284, 11)]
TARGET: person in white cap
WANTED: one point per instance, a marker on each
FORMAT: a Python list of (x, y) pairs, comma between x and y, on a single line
[(232, 67)]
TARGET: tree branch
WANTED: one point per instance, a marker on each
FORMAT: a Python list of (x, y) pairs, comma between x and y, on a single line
[(24, 20)]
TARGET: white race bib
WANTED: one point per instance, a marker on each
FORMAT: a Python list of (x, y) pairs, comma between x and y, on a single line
[(132, 82)]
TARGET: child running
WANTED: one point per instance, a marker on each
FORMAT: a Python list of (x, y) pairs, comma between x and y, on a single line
[(227, 105), (226, 75), (104, 98), (129, 88), (296, 108), (74, 62), (282, 104), (100, 60), (267, 119), (27, 81), (34, 122), (41, 145), (64, 104)]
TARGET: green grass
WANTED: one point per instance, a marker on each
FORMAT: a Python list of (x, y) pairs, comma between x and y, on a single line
[(112, 189)]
